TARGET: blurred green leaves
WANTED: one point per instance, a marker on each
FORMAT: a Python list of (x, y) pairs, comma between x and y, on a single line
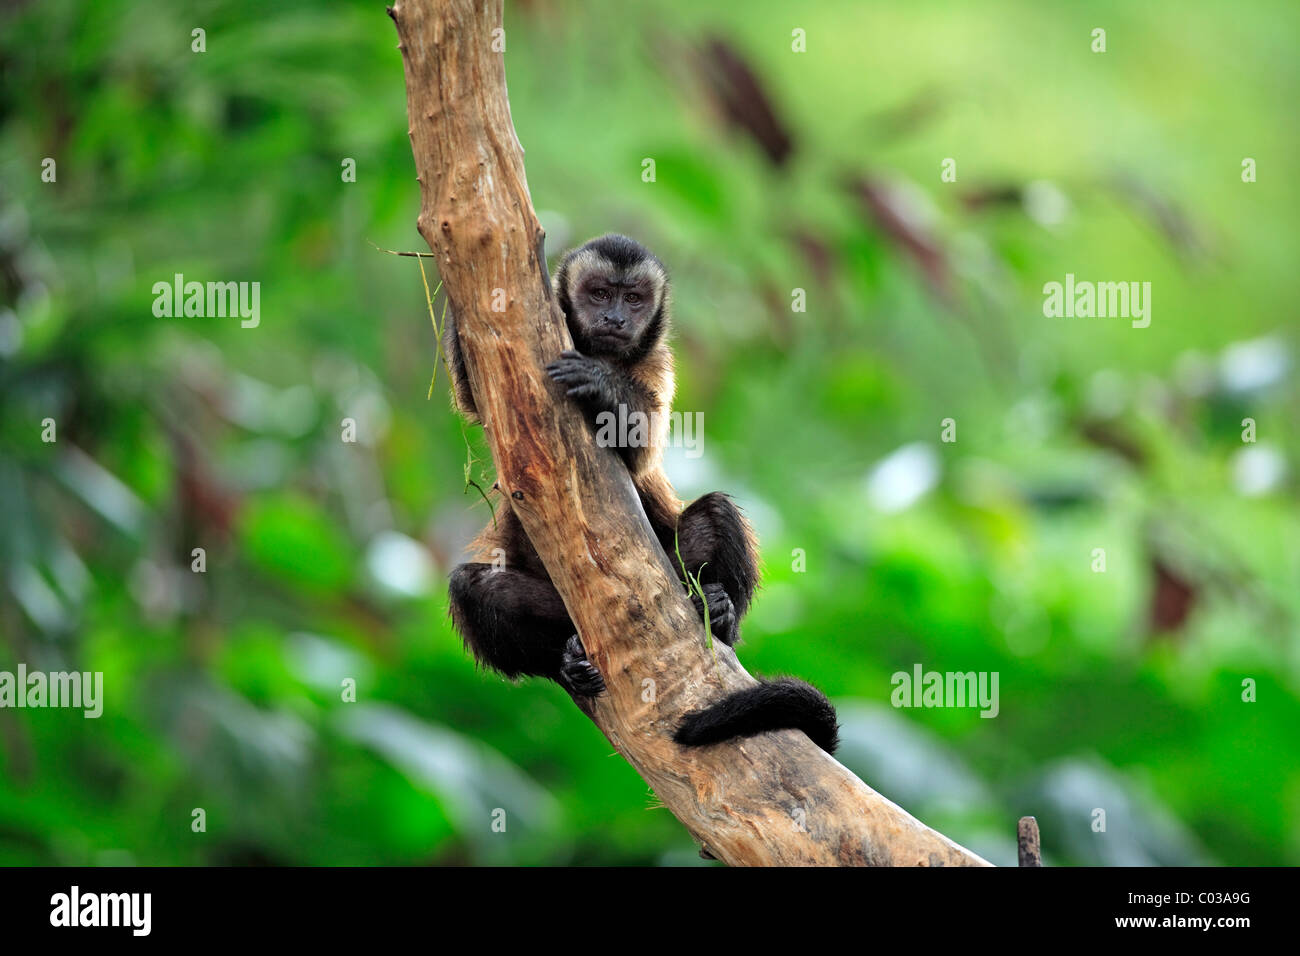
[(292, 540)]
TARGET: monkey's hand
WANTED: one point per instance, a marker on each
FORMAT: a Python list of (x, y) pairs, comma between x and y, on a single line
[(587, 381), (722, 613), (579, 676)]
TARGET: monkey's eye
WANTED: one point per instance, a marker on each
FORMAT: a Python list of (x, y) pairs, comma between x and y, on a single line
[(633, 298), (600, 295)]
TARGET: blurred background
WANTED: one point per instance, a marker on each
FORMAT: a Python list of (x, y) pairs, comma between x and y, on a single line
[(774, 171)]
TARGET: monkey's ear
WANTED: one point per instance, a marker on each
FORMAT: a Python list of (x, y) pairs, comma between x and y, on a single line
[(560, 284)]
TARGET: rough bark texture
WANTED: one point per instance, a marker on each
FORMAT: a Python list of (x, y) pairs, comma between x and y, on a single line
[(775, 799)]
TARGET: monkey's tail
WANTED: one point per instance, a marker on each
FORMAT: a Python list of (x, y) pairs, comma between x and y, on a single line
[(781, 704)]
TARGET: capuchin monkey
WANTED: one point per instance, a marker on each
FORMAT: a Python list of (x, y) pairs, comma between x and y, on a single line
[(614, 294)]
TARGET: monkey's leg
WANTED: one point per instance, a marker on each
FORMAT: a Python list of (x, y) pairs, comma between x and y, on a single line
[(714, 535), (517, 624), (717, 544)]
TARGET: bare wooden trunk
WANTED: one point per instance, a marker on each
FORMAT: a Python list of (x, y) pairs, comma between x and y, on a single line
[(774, 799)]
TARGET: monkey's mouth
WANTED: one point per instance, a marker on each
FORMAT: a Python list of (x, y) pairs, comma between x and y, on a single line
[(611, 337)]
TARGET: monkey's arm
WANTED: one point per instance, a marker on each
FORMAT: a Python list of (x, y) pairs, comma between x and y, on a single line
[(601, 387)]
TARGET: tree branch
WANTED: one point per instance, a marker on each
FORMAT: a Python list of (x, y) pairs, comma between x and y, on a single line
[(771, 799), (1028, 848)]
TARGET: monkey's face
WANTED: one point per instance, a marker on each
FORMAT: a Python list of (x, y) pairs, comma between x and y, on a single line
[(613, 293), (612, 311)]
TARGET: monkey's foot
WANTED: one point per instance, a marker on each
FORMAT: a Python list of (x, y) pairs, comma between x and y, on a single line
[(722, 613), (579, 676)]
